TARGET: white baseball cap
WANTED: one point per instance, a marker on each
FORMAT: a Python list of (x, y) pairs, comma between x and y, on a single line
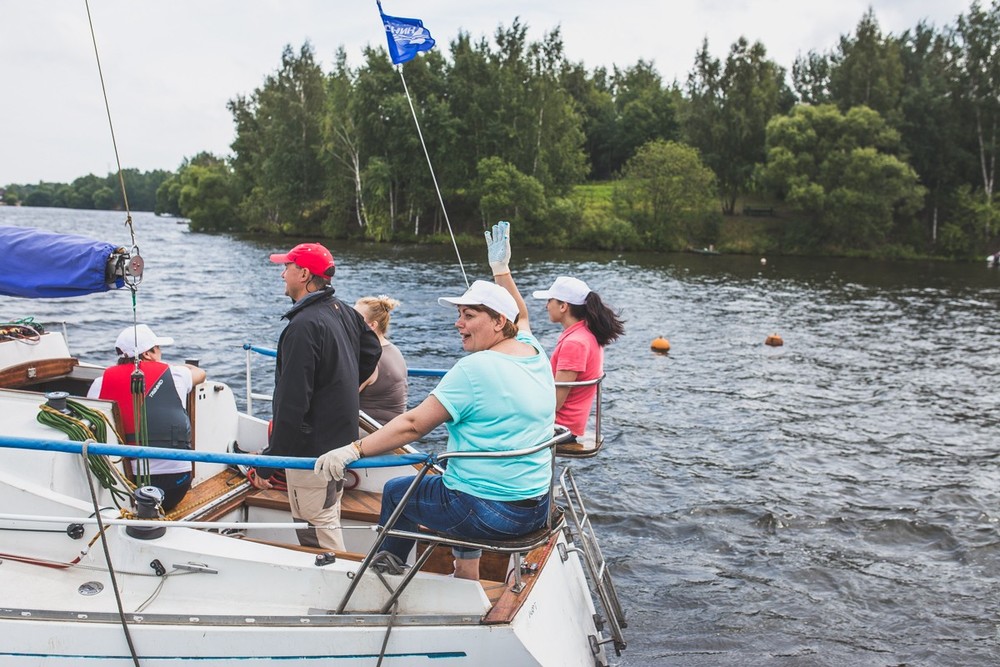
[(483, 293), (133, 341), (570, 290)]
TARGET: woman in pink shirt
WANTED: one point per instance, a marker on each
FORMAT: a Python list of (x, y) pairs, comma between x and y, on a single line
[(588, 325)]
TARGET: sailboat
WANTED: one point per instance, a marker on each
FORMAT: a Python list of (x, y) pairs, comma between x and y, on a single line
[(93, 573)]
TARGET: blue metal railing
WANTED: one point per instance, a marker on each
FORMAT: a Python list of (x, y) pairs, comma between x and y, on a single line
[(426, 372), (228, 458), (270, 352)]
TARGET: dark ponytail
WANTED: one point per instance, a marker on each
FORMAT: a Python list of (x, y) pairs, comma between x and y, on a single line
[(604, 323)]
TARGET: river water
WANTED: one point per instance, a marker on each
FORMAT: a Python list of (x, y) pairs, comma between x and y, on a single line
[(833, 501)]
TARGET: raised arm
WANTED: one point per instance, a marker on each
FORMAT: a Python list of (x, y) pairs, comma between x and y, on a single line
[(498, 247)]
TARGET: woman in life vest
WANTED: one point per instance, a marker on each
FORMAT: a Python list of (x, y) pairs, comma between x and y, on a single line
[(161, 410)]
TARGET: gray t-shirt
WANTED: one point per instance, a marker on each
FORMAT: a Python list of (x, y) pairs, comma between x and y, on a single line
[(385, 398)]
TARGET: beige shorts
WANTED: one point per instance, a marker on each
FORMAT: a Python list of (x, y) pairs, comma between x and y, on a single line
[(317, 502)]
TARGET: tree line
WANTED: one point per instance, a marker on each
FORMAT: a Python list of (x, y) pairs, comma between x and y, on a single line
[(883, 145), (92, 192)]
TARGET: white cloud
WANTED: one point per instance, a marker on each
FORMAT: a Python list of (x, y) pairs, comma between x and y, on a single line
[(170, 66)]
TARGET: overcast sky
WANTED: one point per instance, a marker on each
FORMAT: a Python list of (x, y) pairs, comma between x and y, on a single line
[(170, 66)]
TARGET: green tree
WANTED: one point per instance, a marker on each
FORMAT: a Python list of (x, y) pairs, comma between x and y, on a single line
[(507, 194), (105, 198), (842, 174), (593, 97), (729, 111), (867, 70), (342, 154), (645, 111), (668, 195), (811, 78), (978, 62), (208, 196), (279, 144), (933, 128)]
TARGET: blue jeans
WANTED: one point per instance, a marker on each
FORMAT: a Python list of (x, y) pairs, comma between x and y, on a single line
[(460, 514)]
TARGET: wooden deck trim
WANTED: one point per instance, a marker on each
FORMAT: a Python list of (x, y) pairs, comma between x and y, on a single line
[(295, 546), (509, 603), (36, 371), (194, 505)]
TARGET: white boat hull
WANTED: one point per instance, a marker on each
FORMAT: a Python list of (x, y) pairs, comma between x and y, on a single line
[(230, 610), (237, 599)]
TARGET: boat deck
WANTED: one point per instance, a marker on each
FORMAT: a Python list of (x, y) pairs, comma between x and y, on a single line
[(208, 501)]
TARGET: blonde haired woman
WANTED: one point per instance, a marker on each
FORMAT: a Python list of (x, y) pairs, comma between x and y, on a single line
[(383, 395)]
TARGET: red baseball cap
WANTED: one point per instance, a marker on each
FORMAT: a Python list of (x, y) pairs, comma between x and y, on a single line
[(312, 256)]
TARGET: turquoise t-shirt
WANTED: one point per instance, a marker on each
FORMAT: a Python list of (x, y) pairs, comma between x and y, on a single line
[(499, 402)]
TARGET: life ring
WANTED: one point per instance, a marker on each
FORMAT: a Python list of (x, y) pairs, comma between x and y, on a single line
[(351, 479)]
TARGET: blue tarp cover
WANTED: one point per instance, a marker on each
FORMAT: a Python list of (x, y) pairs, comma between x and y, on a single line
[(40, 264)]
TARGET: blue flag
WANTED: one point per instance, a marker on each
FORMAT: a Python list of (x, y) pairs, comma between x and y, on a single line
[(407, 37)]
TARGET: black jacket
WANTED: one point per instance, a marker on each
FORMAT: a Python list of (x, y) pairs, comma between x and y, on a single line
[(324, 354)]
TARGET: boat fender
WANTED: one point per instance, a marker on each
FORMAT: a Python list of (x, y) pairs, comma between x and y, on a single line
[(660, 344), (774, 340)]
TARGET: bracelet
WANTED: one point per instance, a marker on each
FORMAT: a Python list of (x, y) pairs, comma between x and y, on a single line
[(357, 448)]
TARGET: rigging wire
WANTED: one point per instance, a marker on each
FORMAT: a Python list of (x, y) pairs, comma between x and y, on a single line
[(454, 243), (133, 276), (107, 107)]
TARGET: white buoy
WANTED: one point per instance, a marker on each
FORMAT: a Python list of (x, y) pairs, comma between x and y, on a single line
[(763, 261)]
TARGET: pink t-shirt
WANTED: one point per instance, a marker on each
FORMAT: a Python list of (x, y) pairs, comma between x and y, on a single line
[(577, 350)]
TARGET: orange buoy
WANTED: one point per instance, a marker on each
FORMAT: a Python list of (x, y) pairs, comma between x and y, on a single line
[(774, 340), (660, 345)]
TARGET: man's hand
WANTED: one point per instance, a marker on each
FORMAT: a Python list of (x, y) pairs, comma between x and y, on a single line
[(331, 465), (498, 247)]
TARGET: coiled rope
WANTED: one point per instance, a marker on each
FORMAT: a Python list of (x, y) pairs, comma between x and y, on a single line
[(24, 330), (82, 424)]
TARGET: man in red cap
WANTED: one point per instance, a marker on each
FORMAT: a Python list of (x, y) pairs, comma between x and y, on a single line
[(324, 354)]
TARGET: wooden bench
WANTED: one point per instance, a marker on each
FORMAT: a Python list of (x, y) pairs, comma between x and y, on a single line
[(758, 212)]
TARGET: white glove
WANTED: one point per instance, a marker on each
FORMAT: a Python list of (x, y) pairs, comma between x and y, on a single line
[(331, 465), (498, 246)]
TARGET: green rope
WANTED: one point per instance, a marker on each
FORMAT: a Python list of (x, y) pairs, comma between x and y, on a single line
[(84, 424), (142, 474)]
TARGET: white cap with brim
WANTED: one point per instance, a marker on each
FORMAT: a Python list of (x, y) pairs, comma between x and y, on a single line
[(487, 294), (570, 290), (133, 341)]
